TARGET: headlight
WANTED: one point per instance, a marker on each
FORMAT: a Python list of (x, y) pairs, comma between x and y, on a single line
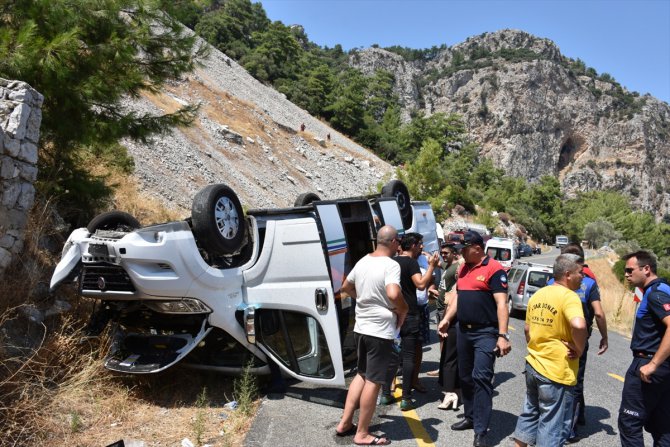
[(183, 306)]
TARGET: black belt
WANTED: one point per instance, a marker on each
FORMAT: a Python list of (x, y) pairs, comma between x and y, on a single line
[(475, 325), (643, 354)]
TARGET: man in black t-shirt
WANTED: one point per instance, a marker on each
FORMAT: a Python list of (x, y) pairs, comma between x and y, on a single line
[(411, 279), (645, 399)]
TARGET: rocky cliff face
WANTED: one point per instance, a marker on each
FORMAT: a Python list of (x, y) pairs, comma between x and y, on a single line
[(533, 112)]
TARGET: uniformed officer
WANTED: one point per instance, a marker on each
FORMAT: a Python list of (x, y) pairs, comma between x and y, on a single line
[(481, 307), (645, 399)]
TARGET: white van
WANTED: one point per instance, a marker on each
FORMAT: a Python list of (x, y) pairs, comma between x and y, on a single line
[(502, 250), (221, 289), (561, 241)]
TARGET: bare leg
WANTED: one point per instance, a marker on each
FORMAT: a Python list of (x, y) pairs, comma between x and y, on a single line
[(352, 402), (518, 443), (368, 401)]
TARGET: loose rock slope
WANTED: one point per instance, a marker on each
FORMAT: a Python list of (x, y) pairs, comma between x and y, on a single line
[(248, 136)]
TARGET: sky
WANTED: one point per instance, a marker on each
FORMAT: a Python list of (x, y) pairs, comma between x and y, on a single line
[(630, 40)]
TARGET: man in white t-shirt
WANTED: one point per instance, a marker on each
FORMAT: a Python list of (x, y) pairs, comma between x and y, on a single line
[(380, 311)]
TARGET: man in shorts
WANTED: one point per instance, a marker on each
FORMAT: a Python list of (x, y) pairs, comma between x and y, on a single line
[(380, 311)]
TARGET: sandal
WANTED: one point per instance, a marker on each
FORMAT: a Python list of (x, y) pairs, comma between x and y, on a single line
[(376, 441)]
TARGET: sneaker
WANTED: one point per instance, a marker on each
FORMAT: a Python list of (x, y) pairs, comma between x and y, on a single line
[(386, 400), (406, 405)]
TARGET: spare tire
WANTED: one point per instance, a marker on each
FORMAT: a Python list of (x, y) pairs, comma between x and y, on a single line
[(306, 198), (218, 220), (398, 190), (113, 221)]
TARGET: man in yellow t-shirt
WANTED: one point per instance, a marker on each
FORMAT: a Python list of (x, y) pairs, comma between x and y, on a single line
[(556, 335)]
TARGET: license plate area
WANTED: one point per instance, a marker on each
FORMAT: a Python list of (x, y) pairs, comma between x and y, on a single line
[(98, 250)]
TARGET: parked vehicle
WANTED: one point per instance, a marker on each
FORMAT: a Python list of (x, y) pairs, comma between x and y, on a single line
[(221, 289), (561, 241), (502, 250), (524, 280), (525, 250)]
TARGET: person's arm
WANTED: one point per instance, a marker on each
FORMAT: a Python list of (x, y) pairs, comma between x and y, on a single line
[(421, 282), (348, 288), (394, 294), (661, 355), (579, 337), (503, 345), (659, 305), (451, 301), (601, 322), (526, 331)]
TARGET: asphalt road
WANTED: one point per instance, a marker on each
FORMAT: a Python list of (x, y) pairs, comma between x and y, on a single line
[(307, 415)]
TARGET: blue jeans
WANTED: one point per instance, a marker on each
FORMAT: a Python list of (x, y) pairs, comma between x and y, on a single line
[(546, 413)]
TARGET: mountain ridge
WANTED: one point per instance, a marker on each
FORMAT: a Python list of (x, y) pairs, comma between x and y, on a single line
[(533, 111)]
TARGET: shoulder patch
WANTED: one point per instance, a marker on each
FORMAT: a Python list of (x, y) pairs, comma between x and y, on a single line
[(503, 278), (666, 307)]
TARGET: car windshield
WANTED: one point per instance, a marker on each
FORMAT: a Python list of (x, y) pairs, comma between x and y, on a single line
[(538, 279), (499, 254)]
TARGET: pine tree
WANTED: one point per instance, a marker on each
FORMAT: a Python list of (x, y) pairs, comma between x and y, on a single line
[(84, 56)]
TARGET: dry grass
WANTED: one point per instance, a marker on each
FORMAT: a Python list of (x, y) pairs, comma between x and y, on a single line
[(616, 299), (128, 198), (61, 395)]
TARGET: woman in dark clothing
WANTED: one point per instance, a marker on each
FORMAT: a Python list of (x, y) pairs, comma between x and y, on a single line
[(448, 370), (448, 377)]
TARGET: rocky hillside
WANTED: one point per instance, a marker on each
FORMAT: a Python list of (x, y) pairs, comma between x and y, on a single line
[(248, 136), (536, 112)]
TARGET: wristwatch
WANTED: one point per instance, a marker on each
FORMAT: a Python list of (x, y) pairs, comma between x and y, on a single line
[(505, 336)]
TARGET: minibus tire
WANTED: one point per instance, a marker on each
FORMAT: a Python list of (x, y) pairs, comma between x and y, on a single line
[(218, 220), (398, 190), (306, 198), (114, 221)]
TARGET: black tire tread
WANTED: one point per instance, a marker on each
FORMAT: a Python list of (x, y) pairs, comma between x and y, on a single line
[(113, 220)]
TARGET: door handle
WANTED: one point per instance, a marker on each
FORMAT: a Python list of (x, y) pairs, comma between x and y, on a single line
[(321, 299)]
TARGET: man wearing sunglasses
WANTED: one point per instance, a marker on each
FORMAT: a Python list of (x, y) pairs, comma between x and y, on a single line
[(645, 399)]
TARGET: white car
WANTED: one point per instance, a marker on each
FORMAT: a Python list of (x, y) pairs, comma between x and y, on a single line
[(524, 279), (221, 289)]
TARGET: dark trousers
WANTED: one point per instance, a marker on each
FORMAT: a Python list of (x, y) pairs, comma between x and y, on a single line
[(448, 377), (578, 393), (475, 367), (409, 343), (645, 405)]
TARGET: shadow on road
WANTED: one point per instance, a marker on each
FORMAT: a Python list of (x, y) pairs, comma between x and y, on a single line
[(502, 426), (594, 422), (502, 377)]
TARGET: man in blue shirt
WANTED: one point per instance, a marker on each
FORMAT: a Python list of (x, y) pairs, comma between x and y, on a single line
[(645, 399)]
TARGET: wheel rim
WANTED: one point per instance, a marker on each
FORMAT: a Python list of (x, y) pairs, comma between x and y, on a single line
[(400, 198), (226, 218)]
